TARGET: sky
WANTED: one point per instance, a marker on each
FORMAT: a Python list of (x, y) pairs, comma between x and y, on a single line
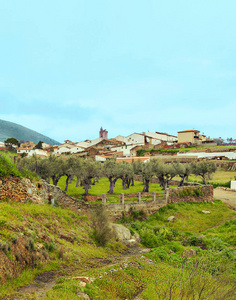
[(68, 67)]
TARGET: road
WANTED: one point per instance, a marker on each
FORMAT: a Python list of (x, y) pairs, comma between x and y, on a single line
[(228, 197)]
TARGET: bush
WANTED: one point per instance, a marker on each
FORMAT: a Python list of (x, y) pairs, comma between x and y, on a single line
[(102, 232), (7, 167), (224, 184)]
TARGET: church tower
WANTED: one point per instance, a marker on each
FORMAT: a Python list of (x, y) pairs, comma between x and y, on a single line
[(103, 134)]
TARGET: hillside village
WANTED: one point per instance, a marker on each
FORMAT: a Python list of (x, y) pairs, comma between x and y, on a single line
[(131, 147)]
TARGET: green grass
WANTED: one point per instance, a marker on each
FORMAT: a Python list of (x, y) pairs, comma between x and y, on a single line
[(102, 187), (220, 176), (189, 216), (192, 229), (40, 221)]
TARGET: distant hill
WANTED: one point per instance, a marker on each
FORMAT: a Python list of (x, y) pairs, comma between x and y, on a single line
[(9, 130)]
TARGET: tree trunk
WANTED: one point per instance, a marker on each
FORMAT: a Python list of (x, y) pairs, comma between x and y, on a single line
[(112, 186), (71, 178), (165, 184), (86, 188), (55, 180), (94, 181), (132, 184), (146, 186), (203, 179), (128, 183), (68, 180), (181, 183), (124, 184), (77, 182)]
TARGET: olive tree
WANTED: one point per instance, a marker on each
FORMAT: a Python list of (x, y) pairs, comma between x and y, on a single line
[(147, 173), (183, 170), (164, 172), (112, 170), (204, 169), (90, 170), (126, 174)]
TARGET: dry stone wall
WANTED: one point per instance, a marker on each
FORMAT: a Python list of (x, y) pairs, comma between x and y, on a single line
[(190, 193), (115, 210), (23, 190), (49, 191), (19, 190)]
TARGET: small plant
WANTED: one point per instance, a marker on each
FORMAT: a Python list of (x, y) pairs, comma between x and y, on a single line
[(102, 232)]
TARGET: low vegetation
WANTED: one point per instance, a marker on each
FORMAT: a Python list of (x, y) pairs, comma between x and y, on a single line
[(191, 257)]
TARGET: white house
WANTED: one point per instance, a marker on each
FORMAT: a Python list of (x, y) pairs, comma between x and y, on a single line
[(135, 138), (229, 155), (62, 149), (163, 136), (94, 142), (77, 149), (120, 138), (124, 148), (30, 152), (84, 144), (100, 158)]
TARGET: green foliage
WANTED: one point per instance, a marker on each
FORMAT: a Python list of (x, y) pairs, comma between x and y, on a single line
[(224, 184), (7, 167), (102, 232), (141, 152), (187, 192), (11, 141), (39, 145)]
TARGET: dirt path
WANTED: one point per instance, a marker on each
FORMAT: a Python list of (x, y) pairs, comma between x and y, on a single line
[(47, 280), (228, 197)]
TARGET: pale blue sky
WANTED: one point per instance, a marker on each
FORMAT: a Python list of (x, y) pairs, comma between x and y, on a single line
[(69, 67)]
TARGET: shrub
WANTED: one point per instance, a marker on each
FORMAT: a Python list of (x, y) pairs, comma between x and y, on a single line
[(102, 232)]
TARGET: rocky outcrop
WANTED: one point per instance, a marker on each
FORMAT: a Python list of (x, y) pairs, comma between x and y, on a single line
[(123, 234)]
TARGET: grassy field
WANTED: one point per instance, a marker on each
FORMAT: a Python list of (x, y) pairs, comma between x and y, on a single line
[(103, 186), (220, 176)]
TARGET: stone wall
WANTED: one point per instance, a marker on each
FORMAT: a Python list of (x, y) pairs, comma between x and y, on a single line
[(190, 193), (23, 190), (19, 190), (49, 191), (115, 210)]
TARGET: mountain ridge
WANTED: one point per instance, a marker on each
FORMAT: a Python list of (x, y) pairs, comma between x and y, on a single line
[(9, 129)]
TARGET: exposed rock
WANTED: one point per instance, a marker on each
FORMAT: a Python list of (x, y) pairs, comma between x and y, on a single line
[(83, 296), (188, 253), (122, 233), (171, 219), (82, 284), (130, 243), (136, 236)]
